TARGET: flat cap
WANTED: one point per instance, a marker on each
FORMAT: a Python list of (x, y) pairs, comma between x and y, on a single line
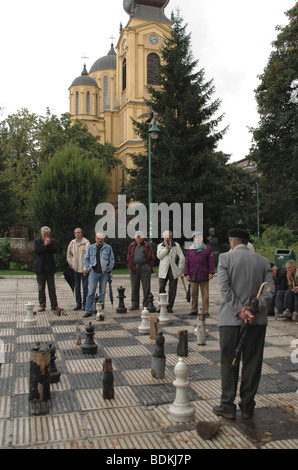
[(239, 233)]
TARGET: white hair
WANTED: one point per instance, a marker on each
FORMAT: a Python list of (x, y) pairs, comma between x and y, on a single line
[(45, 229)]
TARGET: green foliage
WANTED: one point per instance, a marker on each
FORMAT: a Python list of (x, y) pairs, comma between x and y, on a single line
[(275, 139), (5, 253), (66, 194), (185, 166), (274, 237)]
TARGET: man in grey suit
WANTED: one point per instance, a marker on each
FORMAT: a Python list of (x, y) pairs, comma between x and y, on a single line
[(240, 275)]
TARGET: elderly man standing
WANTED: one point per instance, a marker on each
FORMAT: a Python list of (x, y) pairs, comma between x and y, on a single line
[(44, 265), (240, 276), (170, 267), (199, 269), (140, 261), (99, 261), (75, 257)]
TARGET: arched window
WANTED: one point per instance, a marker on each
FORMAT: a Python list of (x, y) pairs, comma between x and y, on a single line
[(87, 102), (153, 61), (77, 102), (96, 105), (124, 74), (106, 103)]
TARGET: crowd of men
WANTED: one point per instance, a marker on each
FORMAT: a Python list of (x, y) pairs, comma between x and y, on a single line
[(241, 273)]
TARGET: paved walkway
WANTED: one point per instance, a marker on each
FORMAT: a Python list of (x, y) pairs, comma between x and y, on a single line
[(138, 417)]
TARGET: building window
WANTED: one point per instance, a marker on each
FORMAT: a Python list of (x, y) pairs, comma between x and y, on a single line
[(88, 102), (96, 105), (153, 62), (124, 74), (106, 103), (77, 102)]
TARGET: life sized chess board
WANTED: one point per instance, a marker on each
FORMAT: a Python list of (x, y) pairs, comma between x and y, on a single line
[(138, 415)]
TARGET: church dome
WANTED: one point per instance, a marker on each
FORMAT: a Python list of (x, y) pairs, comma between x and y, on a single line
[(84, 79), (106, 62), (128, 5)]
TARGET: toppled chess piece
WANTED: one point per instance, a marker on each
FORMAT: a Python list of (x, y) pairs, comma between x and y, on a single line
[(108, 380), (207, 429), (89, 347)]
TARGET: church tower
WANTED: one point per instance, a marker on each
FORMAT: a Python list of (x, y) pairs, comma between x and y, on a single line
[(113, 91)]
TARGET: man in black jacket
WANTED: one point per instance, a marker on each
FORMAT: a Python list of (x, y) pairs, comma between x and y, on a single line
[(45, 267)]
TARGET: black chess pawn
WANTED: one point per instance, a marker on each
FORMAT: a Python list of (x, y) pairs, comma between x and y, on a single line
[(158, 362), (89, 347), (54, 373), (150, 305), (121, 307)]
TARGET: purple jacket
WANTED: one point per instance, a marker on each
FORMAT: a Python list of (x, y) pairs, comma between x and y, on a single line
[(198, 265)]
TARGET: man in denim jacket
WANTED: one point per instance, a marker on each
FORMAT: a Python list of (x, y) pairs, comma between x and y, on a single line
[(99, 262)]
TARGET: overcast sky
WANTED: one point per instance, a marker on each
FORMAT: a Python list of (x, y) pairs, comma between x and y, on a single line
[(43, 42)]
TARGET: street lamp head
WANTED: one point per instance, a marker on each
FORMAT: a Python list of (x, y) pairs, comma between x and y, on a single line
[(154, 131), (254, 191)]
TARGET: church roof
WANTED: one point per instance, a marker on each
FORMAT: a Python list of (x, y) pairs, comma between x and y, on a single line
[(84, 79), (106, 62), (152, 10)]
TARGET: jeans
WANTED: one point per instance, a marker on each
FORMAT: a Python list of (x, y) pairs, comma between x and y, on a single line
[(94, 279), (78, 278)]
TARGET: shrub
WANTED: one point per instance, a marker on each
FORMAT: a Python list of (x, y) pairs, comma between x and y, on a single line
[(5, 253)]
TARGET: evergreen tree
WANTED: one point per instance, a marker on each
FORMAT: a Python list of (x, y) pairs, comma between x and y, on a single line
[(186, 168), (275, 139)]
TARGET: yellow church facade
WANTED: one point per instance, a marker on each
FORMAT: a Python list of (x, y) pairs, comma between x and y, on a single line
[(112, 93)]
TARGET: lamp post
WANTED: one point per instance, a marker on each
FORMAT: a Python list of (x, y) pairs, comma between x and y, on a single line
[(256, 191), (152, 134)]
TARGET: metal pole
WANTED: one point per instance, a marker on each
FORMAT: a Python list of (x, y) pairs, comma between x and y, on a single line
[(149, 187), (258, 210)]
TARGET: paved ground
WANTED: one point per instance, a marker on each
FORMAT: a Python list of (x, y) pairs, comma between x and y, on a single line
[(138, 416)]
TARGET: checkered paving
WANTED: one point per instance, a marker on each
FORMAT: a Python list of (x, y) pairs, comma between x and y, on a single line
[(138, 416)]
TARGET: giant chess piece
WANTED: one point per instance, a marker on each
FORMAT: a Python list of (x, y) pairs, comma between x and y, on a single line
[(30, 317), (150, 305), (181, 410), (79, 336), (54, 373), (158, 363), (207, 429), (201, 330), (153, 327), (108, 380), (39, 384), (89, 347), (164, 318), (121, 307), (145, 324), (99, 310), (182, 348)]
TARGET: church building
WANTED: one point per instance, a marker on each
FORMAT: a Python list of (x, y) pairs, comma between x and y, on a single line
[(113, 91)]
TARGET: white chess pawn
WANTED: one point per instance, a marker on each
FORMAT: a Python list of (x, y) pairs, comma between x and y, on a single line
[(164, 318), (145, 324), (181, 410), (30, 318), (99, 308)]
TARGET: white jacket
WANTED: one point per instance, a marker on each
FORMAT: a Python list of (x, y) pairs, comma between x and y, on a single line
[(75, 254), (169, 257)]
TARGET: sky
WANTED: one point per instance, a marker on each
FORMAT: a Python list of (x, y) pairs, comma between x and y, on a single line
[(44, 45)]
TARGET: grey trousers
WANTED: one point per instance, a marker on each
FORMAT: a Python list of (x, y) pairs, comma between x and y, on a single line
[(141, 275), (172, 287), (252, 358), (42, 280)]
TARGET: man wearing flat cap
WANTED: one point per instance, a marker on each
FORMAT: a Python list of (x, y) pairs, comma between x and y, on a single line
[(140, 261), (241, 273)]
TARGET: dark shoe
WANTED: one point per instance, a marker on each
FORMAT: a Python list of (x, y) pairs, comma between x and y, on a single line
[(169, 309), (41, 309), (86, 315), (217, 410), (192, 314), (133, 308), (77, 307)]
